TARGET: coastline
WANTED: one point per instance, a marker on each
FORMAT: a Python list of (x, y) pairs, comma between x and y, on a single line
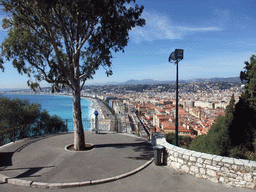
[(91, 106), (103, 111), (95, 106), (106, 118)]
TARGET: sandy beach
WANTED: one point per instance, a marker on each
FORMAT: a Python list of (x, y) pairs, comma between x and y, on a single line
[(105, 117), (95, 106), (103, 112)]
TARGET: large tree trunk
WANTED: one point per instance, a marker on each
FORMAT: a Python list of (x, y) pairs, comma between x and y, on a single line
[(79, 141)]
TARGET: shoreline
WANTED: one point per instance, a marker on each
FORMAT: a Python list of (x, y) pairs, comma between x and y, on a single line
[(103, 111), (95, 105), (92, 106), (104, 114)]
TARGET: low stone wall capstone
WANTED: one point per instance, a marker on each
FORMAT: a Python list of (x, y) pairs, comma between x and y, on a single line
[(218, 169)]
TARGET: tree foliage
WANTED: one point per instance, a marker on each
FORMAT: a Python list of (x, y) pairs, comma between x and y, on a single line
[(25, 119), (216, 141), (184, 141), (248, 76)]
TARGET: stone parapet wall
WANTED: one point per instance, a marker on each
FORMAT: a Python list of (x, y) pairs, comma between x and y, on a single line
[(231, 171)]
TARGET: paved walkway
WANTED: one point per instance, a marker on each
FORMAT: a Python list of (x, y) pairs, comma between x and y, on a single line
[(44, 162)]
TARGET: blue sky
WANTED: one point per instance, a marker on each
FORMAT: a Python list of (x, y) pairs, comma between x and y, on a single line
[(217, 37)]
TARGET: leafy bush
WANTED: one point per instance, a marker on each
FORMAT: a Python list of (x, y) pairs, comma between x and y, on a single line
[(238, 153), (183, 141)]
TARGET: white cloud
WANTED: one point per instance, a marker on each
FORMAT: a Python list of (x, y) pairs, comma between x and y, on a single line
[(198, 29), (159, 26)]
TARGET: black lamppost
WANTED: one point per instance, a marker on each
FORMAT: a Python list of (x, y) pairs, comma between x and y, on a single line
[(175, 57)]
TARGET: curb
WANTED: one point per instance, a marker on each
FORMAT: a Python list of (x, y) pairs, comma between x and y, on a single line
[(9, 180)]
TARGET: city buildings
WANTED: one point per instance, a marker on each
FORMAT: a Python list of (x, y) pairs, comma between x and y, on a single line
[(153, 106), (199, 105)]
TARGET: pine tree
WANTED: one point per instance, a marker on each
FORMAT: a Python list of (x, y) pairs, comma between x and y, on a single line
[(249, 77), (243, 127)]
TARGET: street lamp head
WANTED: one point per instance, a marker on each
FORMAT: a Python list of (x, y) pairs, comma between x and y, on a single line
[(172, 57), (177, 55)]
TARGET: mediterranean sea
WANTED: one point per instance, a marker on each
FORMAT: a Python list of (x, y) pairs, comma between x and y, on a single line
[(60, 106)]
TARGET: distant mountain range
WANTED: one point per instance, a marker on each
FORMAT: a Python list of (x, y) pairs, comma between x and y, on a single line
[(152, 81)]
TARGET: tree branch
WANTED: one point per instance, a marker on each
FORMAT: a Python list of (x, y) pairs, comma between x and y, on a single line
[(84, 40), (64, 29)]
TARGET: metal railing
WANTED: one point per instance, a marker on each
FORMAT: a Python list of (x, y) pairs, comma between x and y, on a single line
[(10, 134), (89, 124)]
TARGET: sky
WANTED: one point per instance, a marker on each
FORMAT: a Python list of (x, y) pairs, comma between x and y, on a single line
[(217, 37)]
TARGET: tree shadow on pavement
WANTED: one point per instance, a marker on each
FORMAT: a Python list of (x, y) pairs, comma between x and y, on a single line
[(6, 158), (119, 145), (29, 171), (143, 150)]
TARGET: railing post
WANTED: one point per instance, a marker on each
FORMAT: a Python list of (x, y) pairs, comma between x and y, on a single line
[(116, 124), (67, 124), (13, 134), (96, 123)]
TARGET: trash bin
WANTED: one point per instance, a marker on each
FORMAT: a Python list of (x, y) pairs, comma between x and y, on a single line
[(158, 154)]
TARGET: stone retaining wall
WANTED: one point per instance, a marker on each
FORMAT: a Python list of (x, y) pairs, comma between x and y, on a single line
[(231, 171)]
